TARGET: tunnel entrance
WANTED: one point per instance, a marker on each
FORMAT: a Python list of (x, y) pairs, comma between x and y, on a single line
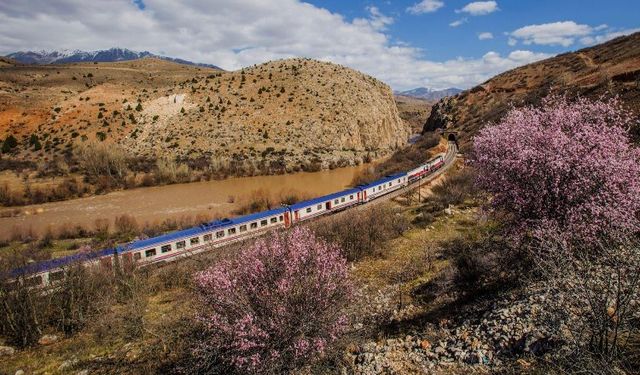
[(452, 137)]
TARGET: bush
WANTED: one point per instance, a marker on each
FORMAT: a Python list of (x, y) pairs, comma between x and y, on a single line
[(126, 225), (277, 305), (361, 233), (100, 160), (566, 168), (9, 144)]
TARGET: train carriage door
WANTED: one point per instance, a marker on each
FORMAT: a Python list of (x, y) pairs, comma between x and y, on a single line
[(296, 215), (328, 205), (364, 195), (359, 197), (286, 219)]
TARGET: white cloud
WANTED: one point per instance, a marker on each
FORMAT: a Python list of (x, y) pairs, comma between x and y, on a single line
[(512, 42), (458, 22), (234, 34), (425, 6), (597, 39), (556, 33), (485, 36), (479, 8)]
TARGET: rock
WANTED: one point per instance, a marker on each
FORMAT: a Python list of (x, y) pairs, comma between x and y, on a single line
[(6, 351), (83, 372), (48, 339), (19, 372), (425, 345)]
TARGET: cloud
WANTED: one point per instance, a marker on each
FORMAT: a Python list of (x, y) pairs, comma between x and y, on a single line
[(425, 6), (479, 8), (556, 33), (234, 34), (597, 39), (458, 22), (512, 42), (485, 36)]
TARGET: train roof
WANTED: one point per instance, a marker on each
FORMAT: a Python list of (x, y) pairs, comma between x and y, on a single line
[(205, 227), (51, 264), (324, 198), (382, 180)]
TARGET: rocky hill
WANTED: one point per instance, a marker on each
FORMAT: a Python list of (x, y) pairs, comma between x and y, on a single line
[(612, 68), (414, 111), (285, 114)]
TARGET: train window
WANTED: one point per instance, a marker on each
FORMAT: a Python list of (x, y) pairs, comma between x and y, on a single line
[(220, 234), (379, 188), (263, 223), (137, 256), (181, 245), (351, 197), (336, 201), (319, 206), (194, 241), (281, 218), (308, 209), (232, 231), (165, 248), (207, 237), (274, 220), (150, 253), (254, 225), (342, 199), (55, 276), (398, 180), (33, 281), (243, 228)]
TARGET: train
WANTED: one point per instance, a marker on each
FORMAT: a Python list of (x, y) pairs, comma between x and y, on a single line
[(210, 235)]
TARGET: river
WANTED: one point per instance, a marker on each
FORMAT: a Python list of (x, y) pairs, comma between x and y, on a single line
[(155, 204)]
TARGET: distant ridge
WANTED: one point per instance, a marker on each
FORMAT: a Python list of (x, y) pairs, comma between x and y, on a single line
[(75, 56), (429, 94)]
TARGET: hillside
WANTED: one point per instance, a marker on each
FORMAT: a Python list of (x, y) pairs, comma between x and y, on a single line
[(414, 111), (283, 114), (612, 68)]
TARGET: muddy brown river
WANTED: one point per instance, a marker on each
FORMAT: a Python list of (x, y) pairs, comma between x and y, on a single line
[(155, 204)]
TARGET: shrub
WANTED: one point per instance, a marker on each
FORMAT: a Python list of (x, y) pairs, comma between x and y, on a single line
[(100, 160), (361, 233), (277, 305), (566, 168), (9, 144), (126, 225)]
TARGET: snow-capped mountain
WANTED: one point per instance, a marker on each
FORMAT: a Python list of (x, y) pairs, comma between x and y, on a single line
[(108, 55), (430, 94)]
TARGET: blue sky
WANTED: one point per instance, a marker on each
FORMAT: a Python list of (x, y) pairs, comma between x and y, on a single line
[(407, 44), (432, 33)]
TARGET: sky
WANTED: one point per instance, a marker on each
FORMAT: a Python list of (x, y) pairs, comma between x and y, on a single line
[(405, 43)]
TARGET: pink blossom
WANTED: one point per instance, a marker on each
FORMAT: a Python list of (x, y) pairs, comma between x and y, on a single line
[(564, 167), (277, 304)]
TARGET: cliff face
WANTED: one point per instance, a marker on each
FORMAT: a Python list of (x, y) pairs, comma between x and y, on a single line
[(609, 69), (288, 112)]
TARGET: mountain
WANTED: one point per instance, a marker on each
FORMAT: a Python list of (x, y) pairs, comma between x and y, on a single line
[(608, 69), (429, 94), (282, 115), (76, 56)]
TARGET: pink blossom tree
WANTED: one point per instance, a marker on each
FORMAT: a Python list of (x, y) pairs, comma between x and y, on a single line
[(566, 167), (276, 305)]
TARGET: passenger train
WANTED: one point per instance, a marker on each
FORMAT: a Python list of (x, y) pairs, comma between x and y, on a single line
[(217, 233)]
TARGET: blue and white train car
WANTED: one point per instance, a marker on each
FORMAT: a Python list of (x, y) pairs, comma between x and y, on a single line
[(48, 272), (321, 205), (383, 186), (205, 236)]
